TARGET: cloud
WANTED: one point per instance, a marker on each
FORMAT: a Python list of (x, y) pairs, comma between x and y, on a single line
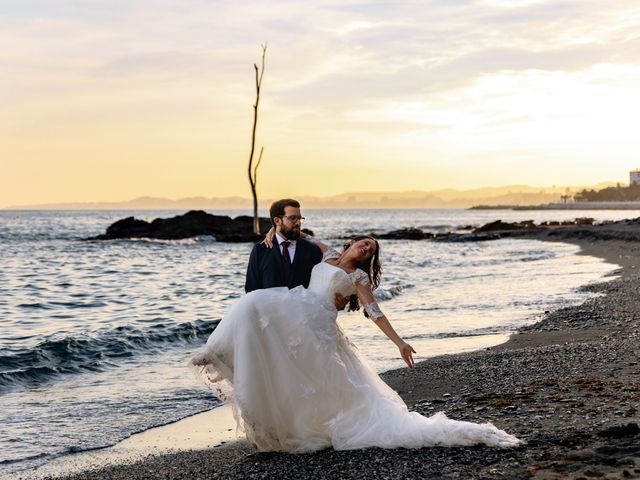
[(435, 79)]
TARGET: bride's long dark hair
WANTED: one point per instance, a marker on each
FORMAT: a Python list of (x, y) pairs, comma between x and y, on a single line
[(372, 267)]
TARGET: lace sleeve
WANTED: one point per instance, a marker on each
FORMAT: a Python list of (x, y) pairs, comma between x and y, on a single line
[(330, 254), (372, 308), (374, 311), (359, 276)]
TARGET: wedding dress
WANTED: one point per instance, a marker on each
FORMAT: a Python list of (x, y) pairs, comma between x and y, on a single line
[(298, 384)]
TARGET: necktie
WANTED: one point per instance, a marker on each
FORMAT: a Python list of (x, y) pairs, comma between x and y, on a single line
[(285, 253)]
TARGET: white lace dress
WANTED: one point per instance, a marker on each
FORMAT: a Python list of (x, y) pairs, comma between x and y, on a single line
[(297, 383)]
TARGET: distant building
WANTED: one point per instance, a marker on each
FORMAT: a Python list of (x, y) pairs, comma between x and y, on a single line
[(634, 177)]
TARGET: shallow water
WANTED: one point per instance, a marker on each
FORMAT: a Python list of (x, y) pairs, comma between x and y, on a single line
[(95, 336)]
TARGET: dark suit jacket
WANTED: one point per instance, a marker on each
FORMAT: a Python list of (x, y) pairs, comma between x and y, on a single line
[(266, 268)]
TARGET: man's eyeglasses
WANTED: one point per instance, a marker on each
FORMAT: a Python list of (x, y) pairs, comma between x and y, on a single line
[(293, 218)]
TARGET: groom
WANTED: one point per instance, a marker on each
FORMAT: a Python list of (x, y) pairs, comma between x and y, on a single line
[(289, 261)]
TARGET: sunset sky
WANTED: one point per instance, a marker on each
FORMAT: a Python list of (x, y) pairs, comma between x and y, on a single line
[(108, 100)]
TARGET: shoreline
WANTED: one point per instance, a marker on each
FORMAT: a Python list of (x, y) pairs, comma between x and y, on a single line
[(209, 429), (483, 386)]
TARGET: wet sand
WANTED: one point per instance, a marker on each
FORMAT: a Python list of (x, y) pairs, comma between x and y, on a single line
[(211, 429), (569, 386)]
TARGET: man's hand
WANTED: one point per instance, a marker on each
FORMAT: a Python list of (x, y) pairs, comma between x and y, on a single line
[(340, 301)]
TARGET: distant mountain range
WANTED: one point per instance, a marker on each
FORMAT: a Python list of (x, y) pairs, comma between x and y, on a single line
[(447, 198)]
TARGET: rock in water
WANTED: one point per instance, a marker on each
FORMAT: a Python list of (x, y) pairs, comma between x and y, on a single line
[(405, 234), (498, 226), (192, 224)]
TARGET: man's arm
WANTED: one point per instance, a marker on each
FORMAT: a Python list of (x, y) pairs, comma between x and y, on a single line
[(253, 280)]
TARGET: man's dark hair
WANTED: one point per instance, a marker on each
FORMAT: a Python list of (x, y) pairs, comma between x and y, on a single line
[(277, 208)]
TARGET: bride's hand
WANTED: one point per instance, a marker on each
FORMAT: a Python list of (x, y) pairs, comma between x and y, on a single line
[(268, 238), (406, 352)]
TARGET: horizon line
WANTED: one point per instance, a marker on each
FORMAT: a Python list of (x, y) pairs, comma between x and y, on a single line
[(111, 204)]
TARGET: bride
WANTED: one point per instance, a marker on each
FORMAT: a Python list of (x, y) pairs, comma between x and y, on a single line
[(297, 383)]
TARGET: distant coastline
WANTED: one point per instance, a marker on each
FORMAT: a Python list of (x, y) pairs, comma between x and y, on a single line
[(510, 196), (565, 206)]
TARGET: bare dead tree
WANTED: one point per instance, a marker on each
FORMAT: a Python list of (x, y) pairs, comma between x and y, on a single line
[(253, 171)]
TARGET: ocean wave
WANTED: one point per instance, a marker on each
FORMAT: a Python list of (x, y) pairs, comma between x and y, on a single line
[(18, 238), (537, 258), (494, 330), (391, 292), (66, 354), (179, 242), (532, 254), (43, 237), (22, 459)]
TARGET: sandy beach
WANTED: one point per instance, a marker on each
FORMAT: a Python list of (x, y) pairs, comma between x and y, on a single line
[(569, 386)]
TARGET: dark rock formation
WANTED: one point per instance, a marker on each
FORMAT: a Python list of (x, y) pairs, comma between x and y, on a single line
[(565, 223), (191, 224), (405, 234), (578, 228), (465, 237), (500, 226)]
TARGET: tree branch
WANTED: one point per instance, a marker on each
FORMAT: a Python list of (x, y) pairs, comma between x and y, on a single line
[(253, 172)]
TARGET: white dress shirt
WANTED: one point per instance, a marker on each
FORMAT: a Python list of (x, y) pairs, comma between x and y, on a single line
[(292, 246)]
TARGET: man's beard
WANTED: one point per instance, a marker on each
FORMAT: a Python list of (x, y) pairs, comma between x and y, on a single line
[(290, 233)]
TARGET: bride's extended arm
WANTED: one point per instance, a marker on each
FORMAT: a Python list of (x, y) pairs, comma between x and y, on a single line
[(369, 302)]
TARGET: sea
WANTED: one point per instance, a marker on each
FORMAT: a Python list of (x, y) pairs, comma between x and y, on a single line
[(95, 336)]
